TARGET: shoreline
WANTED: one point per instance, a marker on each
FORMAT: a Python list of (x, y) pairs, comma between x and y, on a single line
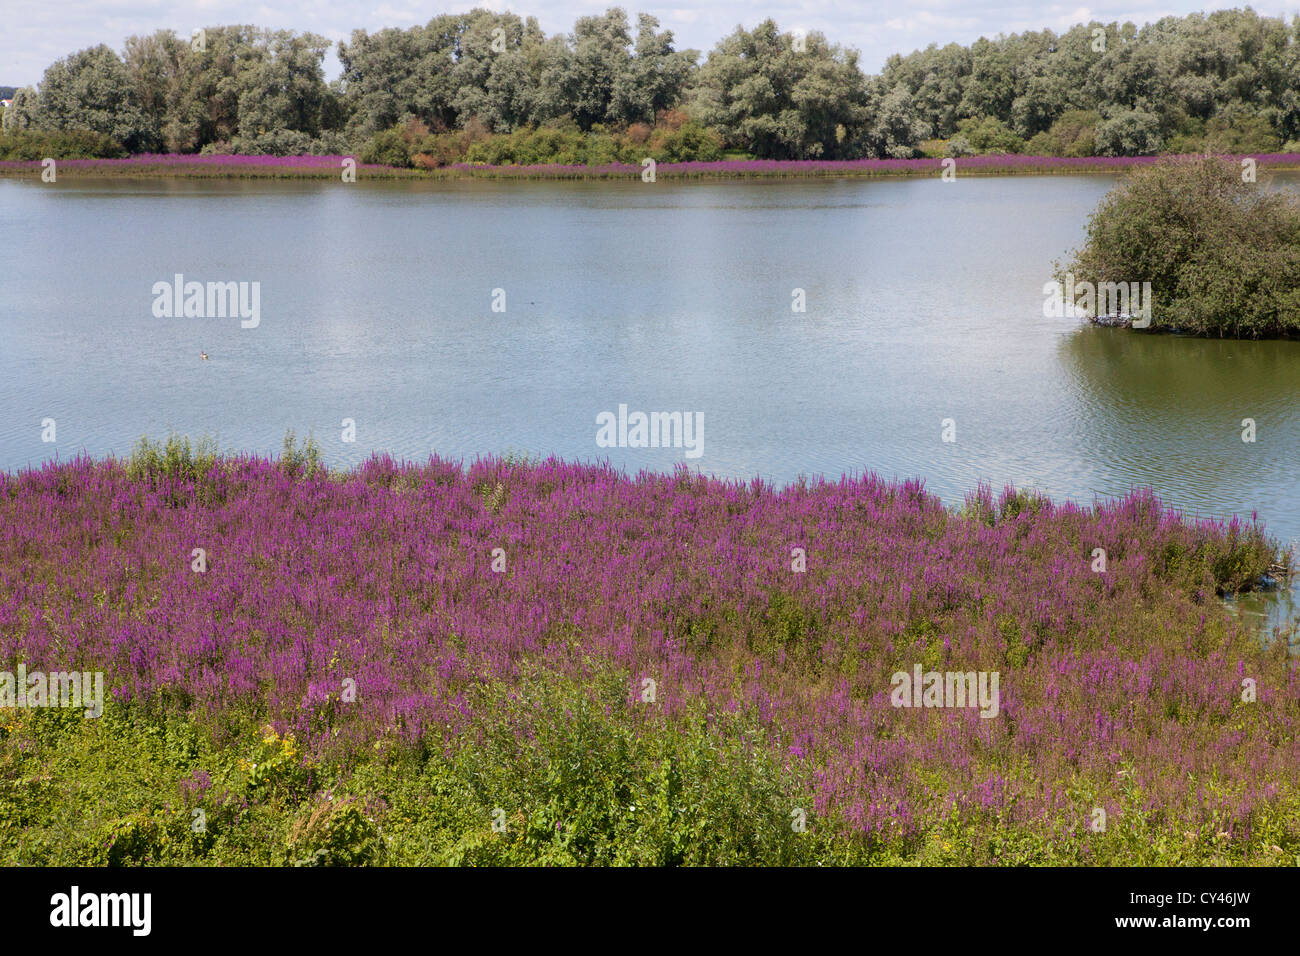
[(196, 166), (1126, 325)]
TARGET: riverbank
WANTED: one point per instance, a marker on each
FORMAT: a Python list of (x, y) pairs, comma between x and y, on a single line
[(1126, 322), (545, 662), (329, 167)]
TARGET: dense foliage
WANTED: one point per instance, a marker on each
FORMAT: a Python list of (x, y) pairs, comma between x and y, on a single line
[(1226, 81), (672, 139), (30, 145), (349, 679), (1221, 251)]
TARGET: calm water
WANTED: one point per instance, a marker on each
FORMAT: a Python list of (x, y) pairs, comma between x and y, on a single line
[(924, 302)]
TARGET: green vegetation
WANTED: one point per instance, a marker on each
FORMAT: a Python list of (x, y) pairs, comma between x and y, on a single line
[(178, 460), (561, 774), (580, 787), (28, 145), (173, 459), (506, 720), (431, 95), (672, 139), (982, 136), (1073, 134), (1222, 253)]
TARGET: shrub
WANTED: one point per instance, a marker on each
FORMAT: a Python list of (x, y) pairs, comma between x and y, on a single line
[(1130, 133), (933, 148), (173, 459), (1226, 134), (564, 144), (29, 145), (333, 832), (674, 139), (387, 148), (300, 462), (959, 146), (1222, 255), (990, 135), (280, 142), (332, 143), (689, 142), (1073, 134), (638, 133)]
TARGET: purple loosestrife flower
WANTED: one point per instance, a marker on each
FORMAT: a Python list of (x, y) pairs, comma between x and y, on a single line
[(346, 609)]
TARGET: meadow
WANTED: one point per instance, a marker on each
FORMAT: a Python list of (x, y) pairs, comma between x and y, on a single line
[(546, 662)]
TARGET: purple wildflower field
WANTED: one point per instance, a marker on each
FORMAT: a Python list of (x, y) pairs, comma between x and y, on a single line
[(194, 164), (1120, 690)]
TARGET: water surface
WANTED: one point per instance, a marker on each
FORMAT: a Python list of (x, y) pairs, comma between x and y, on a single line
[(924, 303)]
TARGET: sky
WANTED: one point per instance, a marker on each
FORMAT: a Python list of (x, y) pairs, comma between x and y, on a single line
[(35, 33)]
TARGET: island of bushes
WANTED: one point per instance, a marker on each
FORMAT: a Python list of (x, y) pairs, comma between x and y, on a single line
[(429, 664)]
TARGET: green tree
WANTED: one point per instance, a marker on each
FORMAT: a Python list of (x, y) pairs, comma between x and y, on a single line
[(894, 130), (656, 76), (283, 87), (158, 65), (92, 90), (592, 79), (21, 112), (497, 71), (1129, 133), (780, 99), (395, 74), (935, 80)]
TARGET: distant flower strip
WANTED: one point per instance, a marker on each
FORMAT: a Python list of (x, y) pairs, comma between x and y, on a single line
[(189, 164), (319, 166)]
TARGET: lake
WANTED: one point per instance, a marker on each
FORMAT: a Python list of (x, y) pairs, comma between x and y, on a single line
[(923, 303)]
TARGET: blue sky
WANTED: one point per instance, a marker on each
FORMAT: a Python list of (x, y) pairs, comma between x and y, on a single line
[(34, 33)]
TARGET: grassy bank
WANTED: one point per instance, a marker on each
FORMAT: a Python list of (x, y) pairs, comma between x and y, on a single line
[(330, 167), (352, 672)]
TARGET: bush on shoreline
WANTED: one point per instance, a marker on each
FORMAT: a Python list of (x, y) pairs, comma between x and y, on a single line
[(1222, 253), (672, 139), (34, 145)]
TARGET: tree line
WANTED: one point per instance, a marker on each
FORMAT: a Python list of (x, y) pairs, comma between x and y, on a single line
[(494, 84)]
